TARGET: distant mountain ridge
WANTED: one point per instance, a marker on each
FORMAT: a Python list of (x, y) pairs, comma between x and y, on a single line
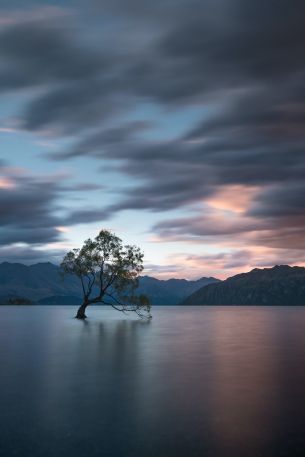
[(36, 281), (171, 291), (280, 285), (42, 283)]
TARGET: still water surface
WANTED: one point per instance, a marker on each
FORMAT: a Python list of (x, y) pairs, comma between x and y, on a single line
[(192, 382)]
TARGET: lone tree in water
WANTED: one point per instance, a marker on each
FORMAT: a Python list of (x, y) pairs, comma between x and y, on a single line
[(108, 272)]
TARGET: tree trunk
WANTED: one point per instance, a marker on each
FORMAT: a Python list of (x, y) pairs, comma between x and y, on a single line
[(81, 311)]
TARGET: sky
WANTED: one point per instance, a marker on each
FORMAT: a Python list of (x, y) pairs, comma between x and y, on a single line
[(178, 124)]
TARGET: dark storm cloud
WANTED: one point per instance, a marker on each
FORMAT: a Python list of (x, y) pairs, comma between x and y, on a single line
[(30, 235), (26, 211), (69, 109), (213, 46), (266, 112), (242, 61), (179, 173), (98, 143), (237, 41), (280, 202), (71, 77), (28, 208), (85, 216), (13, 253), (36, 53), (256, 136), (81, 187)]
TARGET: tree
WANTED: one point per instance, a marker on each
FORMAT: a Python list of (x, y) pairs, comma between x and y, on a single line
[(108, 272)]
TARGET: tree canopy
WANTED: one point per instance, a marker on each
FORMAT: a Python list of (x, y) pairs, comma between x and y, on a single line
[(108, 272)]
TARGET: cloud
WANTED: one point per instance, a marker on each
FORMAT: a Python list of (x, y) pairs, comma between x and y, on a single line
[(12, 17), (210, 225), (66, 77), (191, 266), (101, 141), (224, 263), (86, 216), (39, 53), (30, 208), (27, 206), (81, 187), (237, 174), (201, 49), (28, 255)]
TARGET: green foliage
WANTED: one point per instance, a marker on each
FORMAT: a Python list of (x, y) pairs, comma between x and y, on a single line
[(108, 271)]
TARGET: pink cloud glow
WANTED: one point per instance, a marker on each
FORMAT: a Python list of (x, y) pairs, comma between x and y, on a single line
[(235, 198)]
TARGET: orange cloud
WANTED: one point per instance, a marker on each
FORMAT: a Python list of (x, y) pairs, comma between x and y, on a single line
[(6, 183), (62, 229), (234, 198)]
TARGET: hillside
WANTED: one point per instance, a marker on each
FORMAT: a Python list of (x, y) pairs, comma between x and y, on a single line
[(36, 281), (171, 291), (42, 283), (280, 285)]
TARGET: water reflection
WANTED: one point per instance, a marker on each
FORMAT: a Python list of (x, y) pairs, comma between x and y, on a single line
[(195, 382)]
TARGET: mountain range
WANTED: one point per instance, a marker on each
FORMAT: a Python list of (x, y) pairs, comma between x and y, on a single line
[(280, 285), (42, 283)]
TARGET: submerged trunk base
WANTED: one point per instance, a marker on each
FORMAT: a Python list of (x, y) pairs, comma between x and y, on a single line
[(81, 312)]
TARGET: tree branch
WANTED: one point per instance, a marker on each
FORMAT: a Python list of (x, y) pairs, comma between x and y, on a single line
[(115, 299), (110, 282), (101, 277), (83, 287)]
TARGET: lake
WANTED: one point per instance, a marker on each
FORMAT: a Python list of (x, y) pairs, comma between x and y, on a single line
[(217, 381)]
